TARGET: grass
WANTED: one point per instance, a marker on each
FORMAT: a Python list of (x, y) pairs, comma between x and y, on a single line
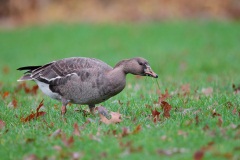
[(201, 54)]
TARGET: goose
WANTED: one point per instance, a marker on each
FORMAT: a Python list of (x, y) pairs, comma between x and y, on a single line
[(85, 81)]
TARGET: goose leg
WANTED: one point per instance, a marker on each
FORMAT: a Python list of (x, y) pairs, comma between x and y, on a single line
[(91, 108), (64, 106)]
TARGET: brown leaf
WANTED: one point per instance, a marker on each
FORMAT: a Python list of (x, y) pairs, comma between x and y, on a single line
[(214, 113), (5, 94), (185, 89), (5, 70), (31, 157), (56, 133), (199, 155), (155, 115), (207, 91), (67, 142), (26, 89), (2, 124), (182, 133), (39, 106), (125, 131), (163, 97), (234, 111), (148, 106), (119, 102), (34, 115), (197, 119), (206, 127), (14, 103), (220, 121), (236, 88), (115, 118), (137, 129), (166, 109), (76, 130)]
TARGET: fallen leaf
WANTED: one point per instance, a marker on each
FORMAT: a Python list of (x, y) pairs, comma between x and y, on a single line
[(23, 86), (163, 97), (39, 106), (137, 129), (155, 115), (34, 115), (199, 155), (67, 142), (185, 89), (220, 121), (14, 103), (166, 109), (182, 133), (234, 111), (214, 113), (206, 127), (119, 102), (115, 118), (76, 130), (197, 119), (5, 70), (125, 132), (5, 94), (2, 124), (31, 157), (207, 91), (236, 89), (56, 133)]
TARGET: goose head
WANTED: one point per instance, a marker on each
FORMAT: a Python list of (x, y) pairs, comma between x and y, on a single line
[(136, 66)]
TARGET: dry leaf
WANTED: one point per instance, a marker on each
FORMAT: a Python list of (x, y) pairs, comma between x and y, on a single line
[(5, 94), (125, 131), (220, 121), (207, 91), (76, 130), (115, 118), (137, 129), (67, 142), (163, 97), (155, 115), (166, 109), (56, 133), (31, 157), (14, 103), (34, 115), (185, 89), (2, 124), (198, 155)]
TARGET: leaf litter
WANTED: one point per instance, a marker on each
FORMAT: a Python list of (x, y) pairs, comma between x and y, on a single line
[(33, 116)]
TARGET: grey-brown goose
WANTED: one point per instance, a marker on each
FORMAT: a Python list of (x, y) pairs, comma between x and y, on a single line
[(86, 81)]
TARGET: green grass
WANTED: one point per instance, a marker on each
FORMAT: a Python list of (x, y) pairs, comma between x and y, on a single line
[(202, 54)]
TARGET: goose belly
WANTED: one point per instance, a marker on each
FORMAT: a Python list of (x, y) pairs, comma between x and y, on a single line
[(45, 89)]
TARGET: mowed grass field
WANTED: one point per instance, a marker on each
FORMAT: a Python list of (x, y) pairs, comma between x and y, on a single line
[(197, 63)]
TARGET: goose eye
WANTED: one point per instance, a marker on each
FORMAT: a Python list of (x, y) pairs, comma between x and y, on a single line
[(140, 63)]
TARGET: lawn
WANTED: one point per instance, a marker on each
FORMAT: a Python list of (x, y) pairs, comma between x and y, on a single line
[(197, 64)]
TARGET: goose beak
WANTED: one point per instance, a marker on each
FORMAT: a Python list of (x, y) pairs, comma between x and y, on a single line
[(149, 72)]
